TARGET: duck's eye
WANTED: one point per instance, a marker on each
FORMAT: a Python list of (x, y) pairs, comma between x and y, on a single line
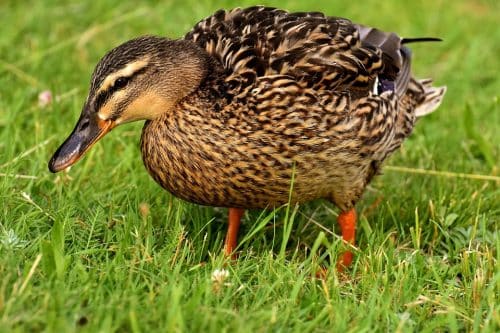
[(120, 82)]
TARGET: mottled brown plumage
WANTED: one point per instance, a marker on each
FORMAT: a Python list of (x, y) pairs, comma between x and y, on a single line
[(295, 98), (252, 98)]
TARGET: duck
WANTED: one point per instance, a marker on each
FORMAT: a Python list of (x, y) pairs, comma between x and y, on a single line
[(258, 107)]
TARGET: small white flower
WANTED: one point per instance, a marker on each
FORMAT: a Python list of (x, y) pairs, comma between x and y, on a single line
[(219, 275)]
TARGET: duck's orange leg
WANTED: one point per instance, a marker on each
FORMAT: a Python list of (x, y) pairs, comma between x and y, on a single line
[(347, 221), (231, 241)]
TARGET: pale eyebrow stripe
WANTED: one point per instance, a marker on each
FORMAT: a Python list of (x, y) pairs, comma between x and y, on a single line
[(127, 71)]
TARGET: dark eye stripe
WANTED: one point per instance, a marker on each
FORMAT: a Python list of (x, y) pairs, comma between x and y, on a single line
[(101, 99), (104, 96), (119, 83)]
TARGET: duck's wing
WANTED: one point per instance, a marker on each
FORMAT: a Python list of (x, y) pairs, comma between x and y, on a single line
[(360, 72), (320, 52)]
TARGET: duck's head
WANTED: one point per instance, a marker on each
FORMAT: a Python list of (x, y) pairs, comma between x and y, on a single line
[(138, 80)]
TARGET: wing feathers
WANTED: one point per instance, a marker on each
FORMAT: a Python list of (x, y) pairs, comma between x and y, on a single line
[(325, 54)]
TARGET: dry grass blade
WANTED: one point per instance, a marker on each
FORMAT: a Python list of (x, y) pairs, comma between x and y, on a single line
[(27, 152), (79, 39), (30, 273), (17, 176), (22, 75), (29, 200), (67, 94), (94, 30), (442, 173)]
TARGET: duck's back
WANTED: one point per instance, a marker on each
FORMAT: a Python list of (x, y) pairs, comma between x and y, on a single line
[(318, 51)]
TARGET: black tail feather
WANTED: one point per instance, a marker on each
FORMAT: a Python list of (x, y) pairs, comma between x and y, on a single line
[(421, 39)]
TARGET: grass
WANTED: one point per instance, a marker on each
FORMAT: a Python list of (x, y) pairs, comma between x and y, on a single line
[(102, 248)]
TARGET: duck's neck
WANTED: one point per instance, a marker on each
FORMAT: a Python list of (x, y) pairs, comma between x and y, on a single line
[(196, 71), (192, 66)]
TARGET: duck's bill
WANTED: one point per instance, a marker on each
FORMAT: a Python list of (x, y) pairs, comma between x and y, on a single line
[(88, 130)]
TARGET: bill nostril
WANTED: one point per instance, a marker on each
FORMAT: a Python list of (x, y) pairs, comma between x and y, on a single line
[(84, 125)]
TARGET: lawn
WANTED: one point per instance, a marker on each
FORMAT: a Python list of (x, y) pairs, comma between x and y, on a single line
[(102, 248)]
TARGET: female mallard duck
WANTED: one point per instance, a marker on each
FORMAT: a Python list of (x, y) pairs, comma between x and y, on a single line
[(251, 100)]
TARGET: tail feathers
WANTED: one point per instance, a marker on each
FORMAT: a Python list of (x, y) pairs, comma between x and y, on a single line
[(420, 39), (432, 98)]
